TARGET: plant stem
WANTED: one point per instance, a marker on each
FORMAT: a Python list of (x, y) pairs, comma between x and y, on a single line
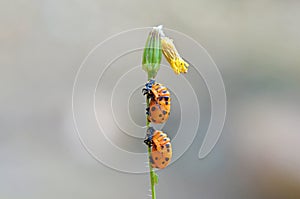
[(153, 176)]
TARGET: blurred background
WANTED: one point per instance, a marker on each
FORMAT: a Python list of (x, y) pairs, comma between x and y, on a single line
[(255, 45)]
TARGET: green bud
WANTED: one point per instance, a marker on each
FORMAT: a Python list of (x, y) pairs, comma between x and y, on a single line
[(152, 52)]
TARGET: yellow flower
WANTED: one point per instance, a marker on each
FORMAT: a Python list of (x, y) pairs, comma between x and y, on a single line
[(171, 54)]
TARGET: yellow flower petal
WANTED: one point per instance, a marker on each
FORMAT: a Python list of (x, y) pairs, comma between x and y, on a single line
[(171, 54)]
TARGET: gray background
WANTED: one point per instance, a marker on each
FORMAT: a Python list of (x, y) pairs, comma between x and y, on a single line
[(255, 45)]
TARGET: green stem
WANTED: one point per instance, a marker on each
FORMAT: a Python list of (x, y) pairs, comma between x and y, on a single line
[(153, 176)]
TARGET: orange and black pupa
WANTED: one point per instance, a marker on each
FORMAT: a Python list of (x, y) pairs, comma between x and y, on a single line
[(161, 148), (160, 102)]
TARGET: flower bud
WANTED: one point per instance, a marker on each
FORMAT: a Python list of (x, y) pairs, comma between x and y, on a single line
[(152, 52)]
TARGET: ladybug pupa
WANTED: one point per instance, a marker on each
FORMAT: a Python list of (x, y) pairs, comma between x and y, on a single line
[(160, 102), (161, 152)]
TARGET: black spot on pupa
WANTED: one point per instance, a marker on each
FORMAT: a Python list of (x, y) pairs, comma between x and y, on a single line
[(168, 145), (168, 150), (160, 98), (166, 98), (162, 147), (160, 115), (163, 118), (167, 103), (164, 91), (163, 162), (165, 139), (156, 158), (164, 112), (153, 108), (151, 160), (167, 159)]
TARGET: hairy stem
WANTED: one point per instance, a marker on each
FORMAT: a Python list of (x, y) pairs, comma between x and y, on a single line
[(153, 176)]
